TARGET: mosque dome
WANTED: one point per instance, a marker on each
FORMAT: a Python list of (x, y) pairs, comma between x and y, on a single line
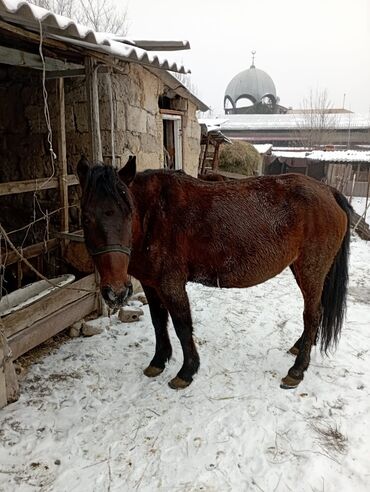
[(252, 84)]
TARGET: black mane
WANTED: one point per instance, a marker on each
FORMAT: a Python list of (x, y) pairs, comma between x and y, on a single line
[(103, 181)]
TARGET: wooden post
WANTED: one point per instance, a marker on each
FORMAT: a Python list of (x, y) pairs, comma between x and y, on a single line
[(92, 90), (9, 388), (352, 188), (62, 157), (215, 157), (93, 109), (367, 192), (204, 157)]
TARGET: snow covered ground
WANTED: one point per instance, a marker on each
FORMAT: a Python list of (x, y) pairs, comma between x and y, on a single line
[(89, 420)]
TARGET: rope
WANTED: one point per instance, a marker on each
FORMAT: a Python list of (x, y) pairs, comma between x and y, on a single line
[(53, 155)]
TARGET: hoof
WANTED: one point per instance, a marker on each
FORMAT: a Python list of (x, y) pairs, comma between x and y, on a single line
[(294, 350), (152, 372), (289, 383), (178, 383)]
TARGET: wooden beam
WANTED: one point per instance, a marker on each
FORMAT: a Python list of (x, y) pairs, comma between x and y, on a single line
[(62, 159), (56, 74), (32, 251), (9, 388), (172, 112), (93, 109), (34, 37), (16, 57), (14, 187)]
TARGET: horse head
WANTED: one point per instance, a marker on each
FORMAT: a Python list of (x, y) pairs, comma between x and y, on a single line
[(107, 208)]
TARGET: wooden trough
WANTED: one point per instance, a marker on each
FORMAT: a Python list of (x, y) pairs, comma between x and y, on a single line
[(25, 328)]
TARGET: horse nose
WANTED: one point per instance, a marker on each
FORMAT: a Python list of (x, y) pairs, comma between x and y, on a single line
[(113, 298)]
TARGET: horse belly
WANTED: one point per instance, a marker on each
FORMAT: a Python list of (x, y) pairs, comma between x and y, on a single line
[(241, 274)]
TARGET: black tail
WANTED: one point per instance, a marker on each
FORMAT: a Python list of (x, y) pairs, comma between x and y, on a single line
[(333, 298)]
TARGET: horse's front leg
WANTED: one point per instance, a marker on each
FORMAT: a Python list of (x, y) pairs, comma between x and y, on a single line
[(163, 349), (177, 303)]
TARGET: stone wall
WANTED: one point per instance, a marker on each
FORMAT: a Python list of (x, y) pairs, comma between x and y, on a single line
[(138, 129)]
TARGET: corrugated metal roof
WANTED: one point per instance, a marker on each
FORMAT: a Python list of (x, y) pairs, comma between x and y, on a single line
[(341, 121), (29, 16), (327, 155)]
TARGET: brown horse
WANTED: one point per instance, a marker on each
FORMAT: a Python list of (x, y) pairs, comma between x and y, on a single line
[(167, 228)]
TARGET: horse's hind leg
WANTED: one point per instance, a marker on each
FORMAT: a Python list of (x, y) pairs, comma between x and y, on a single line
[(311, 282), (163, 349), (311, 317), (294, 350), (177, 303)]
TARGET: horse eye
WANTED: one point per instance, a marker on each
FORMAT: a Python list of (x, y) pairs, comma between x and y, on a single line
[(109, 213)]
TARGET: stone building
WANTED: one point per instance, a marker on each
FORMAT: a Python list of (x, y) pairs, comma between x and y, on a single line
[(66, 90), (135, 103)]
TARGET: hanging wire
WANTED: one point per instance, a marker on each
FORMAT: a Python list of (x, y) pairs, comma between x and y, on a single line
[(110, 94)]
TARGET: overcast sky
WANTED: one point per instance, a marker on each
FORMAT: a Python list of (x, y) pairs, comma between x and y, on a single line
[(301, 44)]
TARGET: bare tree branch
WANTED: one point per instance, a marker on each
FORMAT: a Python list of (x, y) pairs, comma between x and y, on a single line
[(100, 15), (319, 120)]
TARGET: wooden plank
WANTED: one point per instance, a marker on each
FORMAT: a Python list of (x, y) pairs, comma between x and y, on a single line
[(29, 185), (177, 112), (9, 388), (46, 306), (62, 159), (26, 35), (45, 328), (93, 110), (3, 397), (15, 187), (56, 74), (32, 251), (16, 57)]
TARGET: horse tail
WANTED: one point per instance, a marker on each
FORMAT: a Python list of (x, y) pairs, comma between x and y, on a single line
[(333, 298)]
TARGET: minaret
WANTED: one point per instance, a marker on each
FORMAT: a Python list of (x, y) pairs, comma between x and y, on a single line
[(253, 53)]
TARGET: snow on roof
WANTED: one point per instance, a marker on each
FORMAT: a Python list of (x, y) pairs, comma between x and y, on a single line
[(262, 148), (212, 123), (326, 155), (56, 26), (288, 121)]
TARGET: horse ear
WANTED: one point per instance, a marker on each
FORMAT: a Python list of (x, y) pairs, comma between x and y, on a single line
[(128, 172), (83, 167)]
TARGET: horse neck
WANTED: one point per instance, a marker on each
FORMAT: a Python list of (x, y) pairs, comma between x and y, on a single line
[(145, 192)]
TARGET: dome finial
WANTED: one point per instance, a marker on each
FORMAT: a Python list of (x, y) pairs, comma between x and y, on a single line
[(253, 53)]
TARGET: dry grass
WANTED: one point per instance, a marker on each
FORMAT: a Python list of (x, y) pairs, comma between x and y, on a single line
[(240, 157), (330, 438)]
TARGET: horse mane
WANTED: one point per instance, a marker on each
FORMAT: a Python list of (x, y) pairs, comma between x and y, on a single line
[(103, 180)]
